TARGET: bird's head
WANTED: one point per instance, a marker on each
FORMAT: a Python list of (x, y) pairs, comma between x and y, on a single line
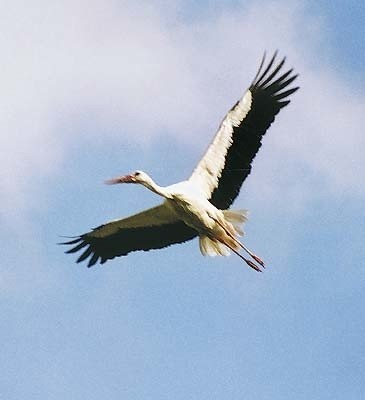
[(135, 177)]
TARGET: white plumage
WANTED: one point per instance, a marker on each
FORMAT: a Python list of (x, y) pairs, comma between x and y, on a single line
[(207, 173), (199, 205)]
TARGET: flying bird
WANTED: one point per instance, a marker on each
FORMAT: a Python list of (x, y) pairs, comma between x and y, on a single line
[(199, 206)]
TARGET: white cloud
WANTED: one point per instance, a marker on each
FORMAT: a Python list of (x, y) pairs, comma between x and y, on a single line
[(141, 68)]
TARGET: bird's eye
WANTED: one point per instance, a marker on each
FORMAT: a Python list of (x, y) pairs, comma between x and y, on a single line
[(137, 173)]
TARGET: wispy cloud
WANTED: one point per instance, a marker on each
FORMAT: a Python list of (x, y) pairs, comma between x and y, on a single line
[(142, 68)]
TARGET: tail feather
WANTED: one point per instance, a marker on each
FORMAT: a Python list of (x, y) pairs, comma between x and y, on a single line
[(236, 218), (212, 248)]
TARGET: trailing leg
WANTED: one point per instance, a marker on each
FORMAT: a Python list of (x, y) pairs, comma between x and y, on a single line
[(248, 262), (254, 256)]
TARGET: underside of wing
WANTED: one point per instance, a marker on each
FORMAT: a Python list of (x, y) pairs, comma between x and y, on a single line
[(154, 228), (228, 160)]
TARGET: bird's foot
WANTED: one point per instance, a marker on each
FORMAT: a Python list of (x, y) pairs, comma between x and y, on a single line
[(252, 265), (258, 260)]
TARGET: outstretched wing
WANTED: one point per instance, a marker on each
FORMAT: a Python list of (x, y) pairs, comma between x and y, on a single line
[(228, 160), (154, 228)]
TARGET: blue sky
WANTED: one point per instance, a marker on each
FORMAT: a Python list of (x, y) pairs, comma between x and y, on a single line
[(94, 89)]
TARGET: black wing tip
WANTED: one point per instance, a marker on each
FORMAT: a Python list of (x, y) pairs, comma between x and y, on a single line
[(265, 76), (260, 76), (75, 239), (271, 81), (260, 68), (78, 243)]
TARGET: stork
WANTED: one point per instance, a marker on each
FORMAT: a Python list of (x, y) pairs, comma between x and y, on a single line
[(199, 206)]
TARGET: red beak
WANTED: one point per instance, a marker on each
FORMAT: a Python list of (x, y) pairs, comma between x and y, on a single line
[(120, 179)]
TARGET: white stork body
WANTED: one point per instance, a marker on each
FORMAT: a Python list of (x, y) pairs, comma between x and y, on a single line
[(199, 206), (217, 229)]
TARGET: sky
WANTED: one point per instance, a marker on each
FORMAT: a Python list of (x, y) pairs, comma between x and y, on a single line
[(94, 89)]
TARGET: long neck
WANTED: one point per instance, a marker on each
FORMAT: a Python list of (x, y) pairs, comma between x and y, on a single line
[(161, 191)]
